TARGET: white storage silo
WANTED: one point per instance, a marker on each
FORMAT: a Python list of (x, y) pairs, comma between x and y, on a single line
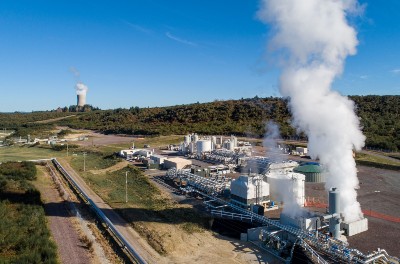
[(192, 147), (203, 146), (287, 187), (187, 139)]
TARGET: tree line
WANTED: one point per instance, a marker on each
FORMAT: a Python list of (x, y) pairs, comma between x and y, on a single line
[(379, 116)]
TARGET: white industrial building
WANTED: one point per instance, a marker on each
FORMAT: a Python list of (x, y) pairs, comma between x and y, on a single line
[(178, 163), (127, 153), (158, 159), (249, 190)]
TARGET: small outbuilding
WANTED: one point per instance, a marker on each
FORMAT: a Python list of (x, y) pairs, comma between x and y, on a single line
[(178, 163)]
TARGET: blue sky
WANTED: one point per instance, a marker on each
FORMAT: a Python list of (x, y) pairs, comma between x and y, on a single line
[(158, 53)]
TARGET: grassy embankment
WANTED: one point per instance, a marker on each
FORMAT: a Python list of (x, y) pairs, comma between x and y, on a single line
[(24, 235), (377, 161), (153, 214)]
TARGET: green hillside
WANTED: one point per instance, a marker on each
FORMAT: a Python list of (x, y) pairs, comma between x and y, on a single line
[(380, 119)]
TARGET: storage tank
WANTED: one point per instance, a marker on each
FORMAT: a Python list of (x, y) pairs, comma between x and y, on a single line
[(195, 138), (203, 146), (313, 171), (192, 147), (282, 183), (187, 139)]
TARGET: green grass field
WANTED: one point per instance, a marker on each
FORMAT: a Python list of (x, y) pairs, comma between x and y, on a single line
[(21, 153), (377, 161)]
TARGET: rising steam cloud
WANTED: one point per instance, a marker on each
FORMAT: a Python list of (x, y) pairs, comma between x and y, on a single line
[(81, 88), (314, 38)]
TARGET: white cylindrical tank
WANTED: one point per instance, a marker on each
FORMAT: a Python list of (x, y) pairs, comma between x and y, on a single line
[(287, 187), (192, 147), (187, 139), (81, 99), (195, 138), (234, 141), (230, 145), (203, 146)]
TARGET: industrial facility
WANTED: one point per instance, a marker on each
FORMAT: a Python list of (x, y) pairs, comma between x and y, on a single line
[(321, 236), (262, 186)]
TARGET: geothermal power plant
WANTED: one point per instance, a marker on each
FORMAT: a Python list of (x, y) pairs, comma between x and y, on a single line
[(263, 187)]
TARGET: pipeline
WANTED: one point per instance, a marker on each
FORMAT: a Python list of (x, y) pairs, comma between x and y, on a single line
[(110, 226)]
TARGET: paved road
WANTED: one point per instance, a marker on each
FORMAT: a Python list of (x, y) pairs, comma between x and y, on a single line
[(140, 245)]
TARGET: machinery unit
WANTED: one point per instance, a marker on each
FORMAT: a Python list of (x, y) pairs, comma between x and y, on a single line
[(248, 190)]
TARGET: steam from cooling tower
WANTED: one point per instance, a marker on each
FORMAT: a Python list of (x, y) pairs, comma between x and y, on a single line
[(81, 89), (314, 38)]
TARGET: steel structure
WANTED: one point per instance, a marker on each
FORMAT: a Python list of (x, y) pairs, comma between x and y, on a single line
[(133, 254), (315, 243)]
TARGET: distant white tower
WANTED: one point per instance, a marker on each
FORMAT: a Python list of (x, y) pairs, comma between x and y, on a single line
[(81, 99), (81, 91)]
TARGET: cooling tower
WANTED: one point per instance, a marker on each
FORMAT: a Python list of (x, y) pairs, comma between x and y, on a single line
[(81, 98)]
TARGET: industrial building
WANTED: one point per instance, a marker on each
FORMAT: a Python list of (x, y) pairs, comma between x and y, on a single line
[(178, 163), (130, 153), (248, 190), (199, 147)]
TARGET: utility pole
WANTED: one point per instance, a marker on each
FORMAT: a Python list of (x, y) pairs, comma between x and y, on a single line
[(84, 161), (67, 149), (126, 186)]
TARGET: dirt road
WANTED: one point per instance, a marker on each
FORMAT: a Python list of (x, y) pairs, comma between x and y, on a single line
[(139, 244), (70, 248)]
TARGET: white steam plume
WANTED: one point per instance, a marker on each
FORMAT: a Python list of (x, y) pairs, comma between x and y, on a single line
[(81, 88), (286, 188), (315, 38), (270, 142)]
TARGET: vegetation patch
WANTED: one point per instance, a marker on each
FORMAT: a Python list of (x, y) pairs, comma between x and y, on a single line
[(153, 214), (93, 160), (24, 236), (377, 162)]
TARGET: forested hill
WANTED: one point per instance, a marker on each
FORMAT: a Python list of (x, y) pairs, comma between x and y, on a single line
[(379, 115)]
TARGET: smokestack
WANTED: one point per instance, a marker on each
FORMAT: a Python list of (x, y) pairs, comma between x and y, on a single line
[(334, 209)]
